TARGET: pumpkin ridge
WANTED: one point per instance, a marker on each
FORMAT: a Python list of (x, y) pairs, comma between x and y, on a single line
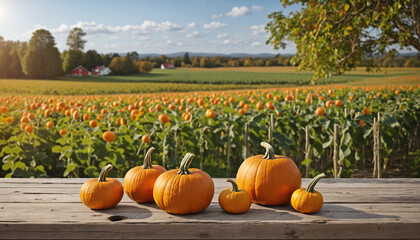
[(248, 177)]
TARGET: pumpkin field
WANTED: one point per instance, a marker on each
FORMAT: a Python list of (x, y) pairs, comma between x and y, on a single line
[(76, 136)]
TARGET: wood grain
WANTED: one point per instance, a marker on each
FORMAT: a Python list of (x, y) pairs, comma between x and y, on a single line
[(353, 209)]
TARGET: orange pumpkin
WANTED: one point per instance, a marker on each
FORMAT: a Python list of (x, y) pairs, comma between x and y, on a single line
[(183, 190), (101, 193), (270, 179), (139, 181), (308, 200), (234, 200)]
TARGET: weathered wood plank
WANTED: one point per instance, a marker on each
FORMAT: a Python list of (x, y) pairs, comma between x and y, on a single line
[(354, 209)]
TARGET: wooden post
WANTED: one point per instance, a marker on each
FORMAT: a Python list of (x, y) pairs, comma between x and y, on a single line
[(374, 149), (271, 129), (246, 150), (307, 150), (378, 146), (336, 150), (228, 150)]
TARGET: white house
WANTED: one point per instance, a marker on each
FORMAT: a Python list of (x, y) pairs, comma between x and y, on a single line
[(167, 66), (101, 71)]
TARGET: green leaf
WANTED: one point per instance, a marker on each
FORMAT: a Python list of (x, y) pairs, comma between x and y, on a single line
[(307, 161), (70, 168), (56, 149), (346, 7), (91, 171)]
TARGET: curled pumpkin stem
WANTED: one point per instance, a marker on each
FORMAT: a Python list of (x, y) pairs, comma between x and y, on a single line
[(311, 186), (269, 151), (235, 187), (104, 172), (148, 159), (185, 164)]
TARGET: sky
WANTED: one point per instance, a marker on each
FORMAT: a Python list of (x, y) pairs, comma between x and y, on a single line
[(147, 26)]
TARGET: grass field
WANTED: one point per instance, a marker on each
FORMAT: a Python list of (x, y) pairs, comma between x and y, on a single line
[(200, 79)]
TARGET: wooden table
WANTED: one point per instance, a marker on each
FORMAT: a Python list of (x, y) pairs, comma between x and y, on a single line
[(353, 209)]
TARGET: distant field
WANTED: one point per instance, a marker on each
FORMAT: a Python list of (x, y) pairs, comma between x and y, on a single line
[(200, 79)]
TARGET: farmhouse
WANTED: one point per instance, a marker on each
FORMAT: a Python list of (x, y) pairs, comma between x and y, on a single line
[(80, 71), (167, 66), (101, 71)]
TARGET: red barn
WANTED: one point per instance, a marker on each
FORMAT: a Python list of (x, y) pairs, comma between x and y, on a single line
[(80, 72)]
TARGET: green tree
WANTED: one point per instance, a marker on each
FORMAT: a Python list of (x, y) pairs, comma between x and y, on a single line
[(117, 65), (42, 58), (331, 35), (205, 62), (71, 59), (75, 39), (187, 58), (259, 62), (92, 59)]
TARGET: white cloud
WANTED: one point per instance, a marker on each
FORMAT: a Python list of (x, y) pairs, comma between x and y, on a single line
[(255, 44), (258, 30), (169, 42), (228, 42), (214, 25), (239, 11), (193, 34), (179, 43), (146, 27), (223, 35), (192, 25), (217, 15), (257, 8)]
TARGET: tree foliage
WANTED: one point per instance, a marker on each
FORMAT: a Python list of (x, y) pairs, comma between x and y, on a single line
[(75, 39), (71, 59), (42, 58), (92, 59), (332, 36)]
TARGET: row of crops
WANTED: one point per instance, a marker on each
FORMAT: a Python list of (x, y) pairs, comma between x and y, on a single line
[(76, 136)]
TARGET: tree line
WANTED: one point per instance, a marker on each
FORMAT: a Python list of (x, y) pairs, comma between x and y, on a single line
[(40, 58)]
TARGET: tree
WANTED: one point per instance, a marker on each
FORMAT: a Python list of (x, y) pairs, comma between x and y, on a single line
[(145, 66), (331, 35), (187, 58), (117, 65), (205, 62), (71, 59), (248, 62), (42, 58), (92, 59), (75, 39)]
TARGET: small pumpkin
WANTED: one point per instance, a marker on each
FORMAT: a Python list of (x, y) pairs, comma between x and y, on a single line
[(184, 190), (234, 200), (270, 179), (139, 181), (101, 193), (308, 200)]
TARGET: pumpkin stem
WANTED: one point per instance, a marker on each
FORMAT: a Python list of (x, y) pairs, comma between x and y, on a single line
[(104, 172), (269, 151), (148, 159), (185, 164), (314, 181), (235, 187)]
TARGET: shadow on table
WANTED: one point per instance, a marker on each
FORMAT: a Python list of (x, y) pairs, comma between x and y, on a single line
[(337, 211), (122, 211), (256, 213)]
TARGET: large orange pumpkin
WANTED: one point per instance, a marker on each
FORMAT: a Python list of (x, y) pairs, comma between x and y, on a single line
[(183, 190), (102, 193), (139, 181), (270, 179)]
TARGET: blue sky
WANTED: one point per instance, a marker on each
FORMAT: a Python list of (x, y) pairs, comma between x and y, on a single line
[(147, 26)]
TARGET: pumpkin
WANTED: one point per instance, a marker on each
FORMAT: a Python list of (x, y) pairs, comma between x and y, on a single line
[(234, 200), (270, 179), (308, 200), (183, 190), (139, 181), (101, 193)]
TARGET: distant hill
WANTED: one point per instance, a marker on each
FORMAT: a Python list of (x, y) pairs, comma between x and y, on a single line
[(204, 54)]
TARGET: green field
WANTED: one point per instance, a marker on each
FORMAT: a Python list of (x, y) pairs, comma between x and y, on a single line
[(199, 79)]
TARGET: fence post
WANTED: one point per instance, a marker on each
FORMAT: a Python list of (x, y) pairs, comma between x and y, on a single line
[(377, 146), (271, 129), (336, 150), (228, 150), (307, 150), (246, 152)]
